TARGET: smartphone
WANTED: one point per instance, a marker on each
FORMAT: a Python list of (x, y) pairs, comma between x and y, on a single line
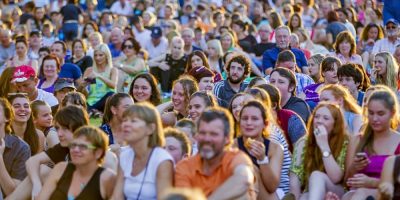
[(361, 155), (90, 80)]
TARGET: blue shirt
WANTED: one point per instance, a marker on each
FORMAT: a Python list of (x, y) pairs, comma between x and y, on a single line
[(270, 56), (224, 92), (114, 51)]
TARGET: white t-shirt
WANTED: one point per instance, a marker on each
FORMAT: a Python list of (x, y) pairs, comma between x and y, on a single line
[(155, 51), (133, 184), (47, 97), (142, 37), (116, 8)]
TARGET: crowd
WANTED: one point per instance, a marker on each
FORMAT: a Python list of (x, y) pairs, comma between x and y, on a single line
[(200, 99)]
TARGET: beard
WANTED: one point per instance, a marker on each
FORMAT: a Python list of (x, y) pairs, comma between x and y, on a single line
[(236, 81), (208, 153)]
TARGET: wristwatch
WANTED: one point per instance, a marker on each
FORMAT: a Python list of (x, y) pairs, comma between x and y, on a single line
[(326, 154), (264, 161)]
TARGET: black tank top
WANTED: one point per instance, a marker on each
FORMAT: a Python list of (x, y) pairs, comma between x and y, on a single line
[(243, 148), (396, 173), (90, 191)]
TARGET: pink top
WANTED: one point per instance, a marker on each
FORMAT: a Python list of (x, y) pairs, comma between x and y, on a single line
[(375, 167)]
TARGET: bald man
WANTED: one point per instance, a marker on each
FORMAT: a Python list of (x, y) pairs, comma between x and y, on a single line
[(116, 40), (7, 47)]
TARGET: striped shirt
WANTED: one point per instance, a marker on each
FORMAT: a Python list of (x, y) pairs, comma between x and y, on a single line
[(303, 80)]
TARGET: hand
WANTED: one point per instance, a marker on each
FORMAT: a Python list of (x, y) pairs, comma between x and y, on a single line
[(321, 136), (374, 74), (257, 149), (386, 190), (359, 181), (360, 163), (164, 66), (2, 146), (35, 191), (370, 41)]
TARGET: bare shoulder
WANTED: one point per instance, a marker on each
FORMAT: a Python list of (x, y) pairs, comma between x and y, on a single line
[(107, 175)]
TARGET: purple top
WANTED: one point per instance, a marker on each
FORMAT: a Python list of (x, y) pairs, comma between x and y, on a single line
[(49, 89), (311, 93), (375, 167)]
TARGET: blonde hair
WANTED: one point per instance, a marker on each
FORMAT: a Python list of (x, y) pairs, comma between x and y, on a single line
[(392, 69), (149, 114), (338, 91), (104, 49), (217, 45), (96, 137)]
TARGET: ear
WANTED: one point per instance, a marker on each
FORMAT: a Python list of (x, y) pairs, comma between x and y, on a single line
[(152, 128), (98, 153), (291, 89), (113, 110)]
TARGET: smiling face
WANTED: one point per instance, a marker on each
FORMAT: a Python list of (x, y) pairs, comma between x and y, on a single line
[(22, 110), (141, 90), (83, 152), (211, 139), (345, 48), (178, 97), (237, 105), (196, 107), (323, 117), (135, 130), (50, 68), (251, 122), (44, 117), (100, 57)]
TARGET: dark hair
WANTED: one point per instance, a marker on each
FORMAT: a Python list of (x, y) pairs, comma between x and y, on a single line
[(254, 81), (30, 135), (328, 64), (8, 114), (285, 56), (332, 16), (155, 97), (242, 60), (64, 46), (112, 101), (351, 70), (286, 73), (214, 113), (290, 23), (241, 24), (21, 39), (366, 81), (45, 48), (273, 93), (265, 113), (365, 30), (71, 117), (76, 98), (49, 57), (135, 43), (91, 23), (82, 43), (199, 54), (181, 137), (129, 28), (208, 98)]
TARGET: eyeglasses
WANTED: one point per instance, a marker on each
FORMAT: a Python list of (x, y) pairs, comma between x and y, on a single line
[(287, 11), (128, 47), (391, 27), (81, 147)]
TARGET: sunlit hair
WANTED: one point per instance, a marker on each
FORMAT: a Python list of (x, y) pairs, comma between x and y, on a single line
[(276, 20), (183, 139), (71, 117), (392, 68), (97, 35), (202, 56), (74, 98), (338, 91), (113, 101), (83, 44), (5, 81), (364, 33), (233, 42), (216, 44), (336, 138), (35, 107), (345, 36), (389, 100), (265, 114), (8, 114), (290, 22), (103, 48), (149, 114), (95, 137), (189, 85), (208, 98)]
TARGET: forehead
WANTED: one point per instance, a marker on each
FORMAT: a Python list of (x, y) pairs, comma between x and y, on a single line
[(236, 64), (20, 100), (172, 141), (216, 126), (282, 31), (323, 111)]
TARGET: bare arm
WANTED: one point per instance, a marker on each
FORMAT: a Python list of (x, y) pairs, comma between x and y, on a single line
[(156, 61), (107, 183), (7, 183), (110, 161), (52, 139), (111, 83), (295, 184), (138, 67), (386, 186), (33, 167), (119, 186), (270, 173), (165, 176), (51, 181), (237, 184)]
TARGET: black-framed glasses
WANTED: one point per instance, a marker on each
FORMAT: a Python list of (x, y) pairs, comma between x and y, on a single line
[(128, 46), (81, 147)]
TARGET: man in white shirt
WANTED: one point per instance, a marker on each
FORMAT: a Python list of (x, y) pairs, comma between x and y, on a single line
[(391, 41), (142, 35), (158, 44), (25, 79), (122, 7)]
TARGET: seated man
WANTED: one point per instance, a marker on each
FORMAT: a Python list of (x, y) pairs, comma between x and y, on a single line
[(217, 169), (14, 152)]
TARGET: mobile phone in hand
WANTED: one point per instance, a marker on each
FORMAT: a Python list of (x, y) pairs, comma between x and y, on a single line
[(361, 155)]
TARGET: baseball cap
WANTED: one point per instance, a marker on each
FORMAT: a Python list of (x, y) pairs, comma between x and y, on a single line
[(62, 83), (156, 32), (23, 73), (392, 20), (200, 72)]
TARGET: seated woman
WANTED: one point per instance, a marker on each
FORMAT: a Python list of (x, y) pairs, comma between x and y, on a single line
[(198, 59), (79, 56), (101, 79), (144, 88), (365, 158), (83, 177), (48, 71), (23, 125), (389, 187), (21, 55), (352, 112), (319, 158), (146, 169), (43, 120), (199, 101), (130, 65), (266, 154), (173, 111)]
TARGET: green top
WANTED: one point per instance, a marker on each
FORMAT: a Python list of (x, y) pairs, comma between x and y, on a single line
[(129, 77), (298, 167), (99, 89)]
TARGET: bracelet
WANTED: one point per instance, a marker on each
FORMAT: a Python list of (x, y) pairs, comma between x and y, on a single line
[(264, 161)]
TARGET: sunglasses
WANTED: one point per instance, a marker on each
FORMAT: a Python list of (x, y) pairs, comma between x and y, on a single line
[(81, 147), (128, 47), (286, 11), (391, 27)]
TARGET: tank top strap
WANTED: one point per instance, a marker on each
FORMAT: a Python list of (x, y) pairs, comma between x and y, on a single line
[(243, 148)]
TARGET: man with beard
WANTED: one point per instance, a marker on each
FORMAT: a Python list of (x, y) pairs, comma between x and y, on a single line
[(282, 38), (217, 169), (391, 41), (237, 68)]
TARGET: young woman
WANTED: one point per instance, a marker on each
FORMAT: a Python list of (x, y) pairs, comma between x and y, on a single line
[(199, 59), (49, 70), (389, 187), (369, 35), (82, 177), (101, 79), (79, 56), (352, 112), (173, 111), (144, 88), (266, 154), (112, 118), (385, 71), (23, 125), (319, 158), (378, 141), (215, 56), (295, 22), (199, 101), (235, 106), (314, 67), (6, 86), (131, 65), (328, 73), (146, 169), (43, 120), (21, 55), (345, 49)]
